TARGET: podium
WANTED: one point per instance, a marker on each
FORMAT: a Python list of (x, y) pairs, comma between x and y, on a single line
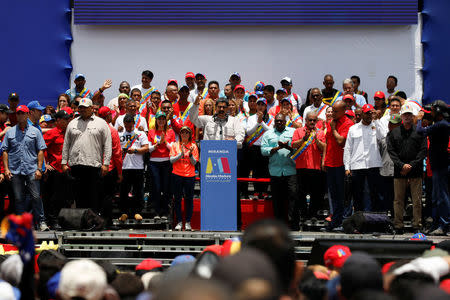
[(218, 185)]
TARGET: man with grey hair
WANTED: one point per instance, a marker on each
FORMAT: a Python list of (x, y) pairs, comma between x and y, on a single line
[(309, 142), (347, 87), (124, 88)]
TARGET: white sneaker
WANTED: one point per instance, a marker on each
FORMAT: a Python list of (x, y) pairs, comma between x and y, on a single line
[(179, 226), (43, 227), (187, 226)]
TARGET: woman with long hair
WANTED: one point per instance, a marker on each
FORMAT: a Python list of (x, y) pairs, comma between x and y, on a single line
[(63, 101), (209, 110), (161, 139), (183, 156)]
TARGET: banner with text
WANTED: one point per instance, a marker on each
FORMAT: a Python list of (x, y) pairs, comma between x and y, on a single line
[(218, 185)]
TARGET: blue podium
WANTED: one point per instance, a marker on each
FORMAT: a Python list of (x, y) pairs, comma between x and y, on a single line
[(218, 185)]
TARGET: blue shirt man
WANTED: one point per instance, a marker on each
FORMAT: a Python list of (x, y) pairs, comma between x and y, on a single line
[(276, 143), (23, 158)]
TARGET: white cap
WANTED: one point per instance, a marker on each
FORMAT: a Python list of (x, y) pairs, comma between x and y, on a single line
[(11, 269), (288, 79), (86, 102), (82, 278), (406, 108), (6, 291)]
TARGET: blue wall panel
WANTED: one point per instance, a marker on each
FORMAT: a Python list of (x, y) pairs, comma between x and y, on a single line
[(245, 12), (436, 49), (35, 54)]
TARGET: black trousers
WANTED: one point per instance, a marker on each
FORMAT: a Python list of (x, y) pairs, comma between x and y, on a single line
[(109, 187), (285, 200), (310, 182), (6, 190), (57, 194), (87, 188), (133, 179)]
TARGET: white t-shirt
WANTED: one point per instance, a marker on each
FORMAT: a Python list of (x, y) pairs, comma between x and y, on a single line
[(133, 161), (142, 122), (143, 91), (322, 108), (193, 95)]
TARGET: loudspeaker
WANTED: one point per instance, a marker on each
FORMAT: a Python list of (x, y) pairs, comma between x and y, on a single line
[(80, 219), (382, 250)]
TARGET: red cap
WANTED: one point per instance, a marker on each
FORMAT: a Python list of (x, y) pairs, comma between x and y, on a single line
[(22, 108), (379, 94), (148, 264), (367, 107), (172, 80), (348, 96), (217, 249), (320, 275), (386, 267), (336, 256), (104, 111), (350, 113), (189, 75), (445, 285), (68, 110), (239, 86)]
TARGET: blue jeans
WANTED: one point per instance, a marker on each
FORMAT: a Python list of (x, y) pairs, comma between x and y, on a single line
[(22, 183), (440, 199), (160, 172), (183, 185), (335, 181)]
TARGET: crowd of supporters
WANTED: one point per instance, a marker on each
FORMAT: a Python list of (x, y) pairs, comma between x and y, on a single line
[(260, 265), (331, 144)]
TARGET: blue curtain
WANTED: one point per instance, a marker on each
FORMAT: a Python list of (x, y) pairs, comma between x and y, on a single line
[(436, 49), (35, 60)]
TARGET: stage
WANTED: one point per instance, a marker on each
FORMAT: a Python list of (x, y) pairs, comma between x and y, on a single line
[(126, 248)]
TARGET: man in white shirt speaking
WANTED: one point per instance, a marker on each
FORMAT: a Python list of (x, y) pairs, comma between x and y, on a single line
[(362, 159)]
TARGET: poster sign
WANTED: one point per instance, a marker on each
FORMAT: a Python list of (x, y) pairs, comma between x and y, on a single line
[(218, 185)]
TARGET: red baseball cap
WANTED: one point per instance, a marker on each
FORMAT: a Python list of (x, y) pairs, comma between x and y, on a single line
[(172, 80), (336, 256), (239, 86), (367, 107), (22, 108), (104, 111), (148, 265), (348, 96), (350, 113), (189, 75), (379, 94), (68, 110)]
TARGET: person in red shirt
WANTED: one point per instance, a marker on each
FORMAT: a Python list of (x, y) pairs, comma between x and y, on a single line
[(309, 142), (160, 139), (213, 93), (5, 185), (114, 176), (181, 111), (58, 186), (183, 156), (333, 162)]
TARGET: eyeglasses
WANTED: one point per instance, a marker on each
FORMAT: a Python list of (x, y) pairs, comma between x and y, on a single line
[(377, 99), (315, 96)]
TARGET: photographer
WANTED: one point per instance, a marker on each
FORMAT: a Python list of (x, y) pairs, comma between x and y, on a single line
[(438, 134)]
